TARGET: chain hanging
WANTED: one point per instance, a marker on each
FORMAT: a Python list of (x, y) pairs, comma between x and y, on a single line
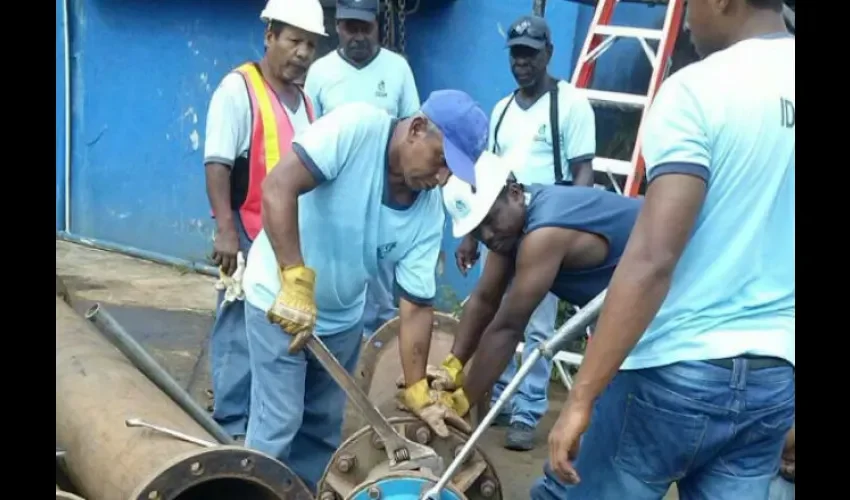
[(402, 17), (388, 24)]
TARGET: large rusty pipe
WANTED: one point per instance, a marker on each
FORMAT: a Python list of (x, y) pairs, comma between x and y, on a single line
[(151, 369), (98, 389)]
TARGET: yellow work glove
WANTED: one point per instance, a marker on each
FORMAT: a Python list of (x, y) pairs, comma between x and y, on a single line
[(432, 407), (452, 377), (294, 309), (446, 377), (459, 402)]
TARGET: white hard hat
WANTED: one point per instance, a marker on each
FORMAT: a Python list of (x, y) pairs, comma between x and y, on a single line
[(467, 207), (305, 14)]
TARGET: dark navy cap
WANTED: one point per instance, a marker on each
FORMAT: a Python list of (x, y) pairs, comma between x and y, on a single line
[(361, 10), (529, 31), (465, 127)]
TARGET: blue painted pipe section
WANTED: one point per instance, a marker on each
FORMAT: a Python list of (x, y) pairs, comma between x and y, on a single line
[(159, 258), (399, 488)]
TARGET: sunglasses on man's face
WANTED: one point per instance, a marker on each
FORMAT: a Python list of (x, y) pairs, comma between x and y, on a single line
[(526, 29)]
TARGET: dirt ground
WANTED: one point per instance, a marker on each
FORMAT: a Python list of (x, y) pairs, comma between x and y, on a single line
[(170, 311)]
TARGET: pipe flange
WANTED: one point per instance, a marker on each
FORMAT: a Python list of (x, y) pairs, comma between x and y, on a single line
[(402, 486), (228, 472), (379, 355), (361, 458)]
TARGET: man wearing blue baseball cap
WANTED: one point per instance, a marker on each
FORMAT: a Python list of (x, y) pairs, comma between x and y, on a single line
[(357, 191)]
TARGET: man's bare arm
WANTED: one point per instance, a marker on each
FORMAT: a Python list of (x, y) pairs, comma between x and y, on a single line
[(482, 305), (641, 281), (415, 338), (536, 268), (582, 173), (281, 188), (218, 192)]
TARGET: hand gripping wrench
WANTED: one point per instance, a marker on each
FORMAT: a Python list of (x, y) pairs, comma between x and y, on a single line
[(402, 453)]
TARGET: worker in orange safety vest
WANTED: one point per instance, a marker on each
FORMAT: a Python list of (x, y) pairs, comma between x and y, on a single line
[(253, 115)]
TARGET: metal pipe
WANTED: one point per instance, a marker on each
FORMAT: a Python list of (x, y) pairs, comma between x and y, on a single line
[(98, 389), (570, 330), (137, 354), (198, 267), (67, 91)]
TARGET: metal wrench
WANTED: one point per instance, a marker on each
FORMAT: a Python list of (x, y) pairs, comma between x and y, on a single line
[(573, 328), (137, 422), (402, 453)]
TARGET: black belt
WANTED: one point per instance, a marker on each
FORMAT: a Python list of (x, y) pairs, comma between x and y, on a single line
[(753, 362)]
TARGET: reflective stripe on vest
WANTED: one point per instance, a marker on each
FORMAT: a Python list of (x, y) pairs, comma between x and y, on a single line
[(271, 138)]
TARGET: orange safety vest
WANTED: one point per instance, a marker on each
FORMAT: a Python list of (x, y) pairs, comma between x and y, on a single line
[(271, 138)]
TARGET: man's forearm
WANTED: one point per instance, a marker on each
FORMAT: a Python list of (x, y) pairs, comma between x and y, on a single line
[(490, 361), (280, 222), (477, 314), (218, 193), (415, 339)]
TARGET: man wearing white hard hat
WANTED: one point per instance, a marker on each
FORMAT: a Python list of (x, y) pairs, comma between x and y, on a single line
[(253, 115), (566, 240)]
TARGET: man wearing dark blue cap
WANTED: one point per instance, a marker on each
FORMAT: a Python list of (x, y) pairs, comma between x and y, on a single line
[(356, 193), (552, 108), (361, 71)]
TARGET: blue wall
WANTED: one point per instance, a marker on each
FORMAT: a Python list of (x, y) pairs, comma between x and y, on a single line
[(143, 72)]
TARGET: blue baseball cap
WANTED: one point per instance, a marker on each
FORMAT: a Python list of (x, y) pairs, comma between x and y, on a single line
[(465, 128)]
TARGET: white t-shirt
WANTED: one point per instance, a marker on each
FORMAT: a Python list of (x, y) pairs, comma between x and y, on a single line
[(229, 127), (386, 82), (577, 126)]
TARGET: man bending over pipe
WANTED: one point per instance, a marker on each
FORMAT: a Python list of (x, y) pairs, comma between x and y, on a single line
[(357, 191), (566, 240)]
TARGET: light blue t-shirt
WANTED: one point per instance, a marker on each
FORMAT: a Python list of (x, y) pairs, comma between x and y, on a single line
[(729, 119), (386, 82), (347, 225), (576, 125)]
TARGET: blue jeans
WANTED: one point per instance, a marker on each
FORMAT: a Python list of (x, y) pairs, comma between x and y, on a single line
[(530, 402), (380, 300), (231, 375), (296, 407), (780, 489), (717, 432)]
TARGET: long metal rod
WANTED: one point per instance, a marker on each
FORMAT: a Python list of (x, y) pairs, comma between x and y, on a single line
[(573, 328), (67, 96), (125, 343), (182, 436), (401, 452)]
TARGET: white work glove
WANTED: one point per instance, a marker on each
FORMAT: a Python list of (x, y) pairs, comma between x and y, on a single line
[(232, 285)]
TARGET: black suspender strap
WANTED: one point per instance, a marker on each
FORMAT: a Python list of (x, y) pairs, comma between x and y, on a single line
[(553, 125)]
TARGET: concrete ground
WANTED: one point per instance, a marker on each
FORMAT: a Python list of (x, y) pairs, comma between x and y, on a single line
[(170, 311)]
